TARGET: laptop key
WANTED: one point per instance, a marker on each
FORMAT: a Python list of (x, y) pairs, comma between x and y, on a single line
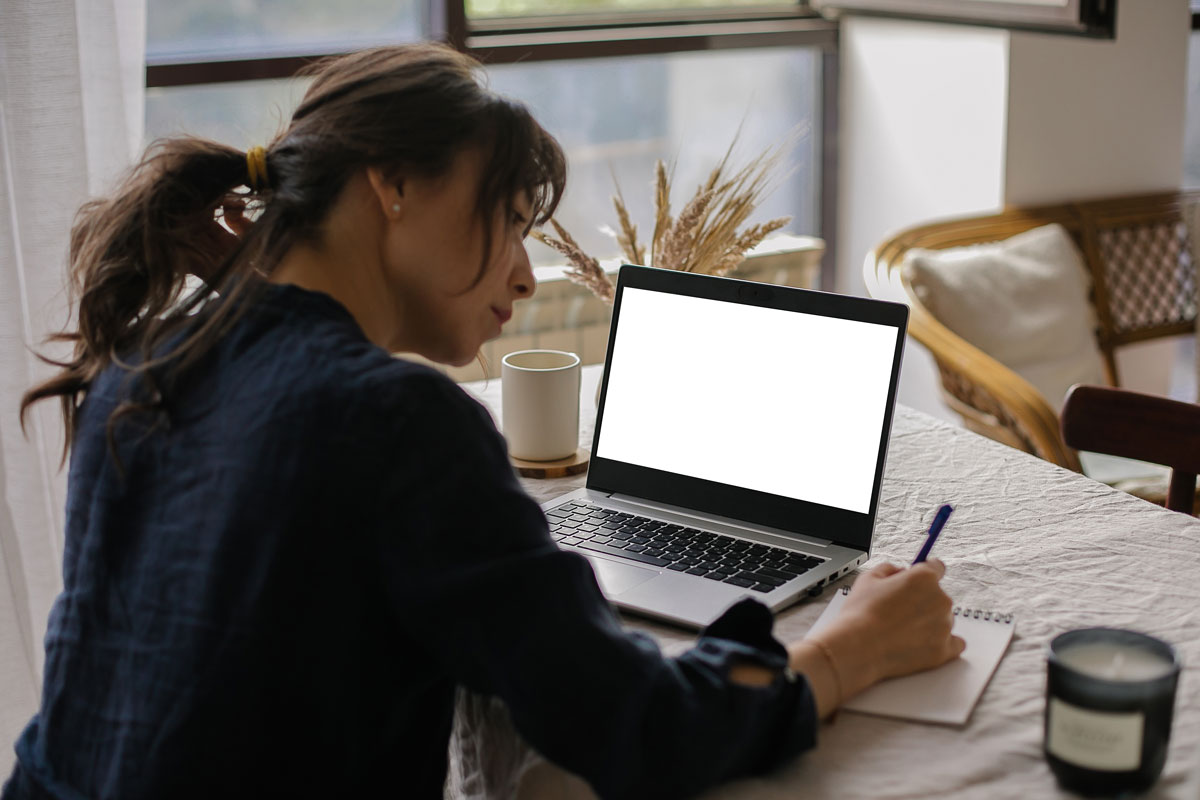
[(758, 577), (635, 547), (645, 559), (621, 535), (742, 582), (697, 571), (653, 551), (598, 539), (568, 540), (762, 587), (780, 575), (726, 570), (677, 567), (716, 576)]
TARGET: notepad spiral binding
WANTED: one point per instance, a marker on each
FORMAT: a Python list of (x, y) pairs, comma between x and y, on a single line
[(971, 613), (979, 613)]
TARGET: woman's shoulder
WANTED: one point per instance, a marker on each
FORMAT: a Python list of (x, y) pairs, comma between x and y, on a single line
[(315, 348), (407, 391), (353, 383)]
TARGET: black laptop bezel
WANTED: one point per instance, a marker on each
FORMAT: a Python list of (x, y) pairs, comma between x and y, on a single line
[(848, 528)]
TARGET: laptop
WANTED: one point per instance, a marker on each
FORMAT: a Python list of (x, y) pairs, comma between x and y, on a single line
[(739, 446)]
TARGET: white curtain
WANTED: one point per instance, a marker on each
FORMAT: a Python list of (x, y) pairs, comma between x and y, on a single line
[(71, 109)]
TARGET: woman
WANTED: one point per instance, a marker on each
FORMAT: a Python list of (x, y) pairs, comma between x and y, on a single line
[(272, 582)]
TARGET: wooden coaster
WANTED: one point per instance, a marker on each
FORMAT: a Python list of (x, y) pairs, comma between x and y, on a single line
[(572, 465)]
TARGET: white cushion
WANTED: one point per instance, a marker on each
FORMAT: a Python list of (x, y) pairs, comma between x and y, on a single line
[(1023, 301)]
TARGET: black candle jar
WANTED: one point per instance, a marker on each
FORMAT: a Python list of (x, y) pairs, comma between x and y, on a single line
[(1110, 697)]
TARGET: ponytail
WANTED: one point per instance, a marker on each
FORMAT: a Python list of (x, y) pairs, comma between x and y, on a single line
[(401, 108), (130, 255)]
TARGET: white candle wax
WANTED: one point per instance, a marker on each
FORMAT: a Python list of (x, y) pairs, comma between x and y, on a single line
[(1115, 662)]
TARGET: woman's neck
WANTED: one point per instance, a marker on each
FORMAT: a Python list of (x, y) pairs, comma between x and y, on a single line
[(345, 264)]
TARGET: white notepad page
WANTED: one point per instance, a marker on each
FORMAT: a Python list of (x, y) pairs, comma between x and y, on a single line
[(949, 693)]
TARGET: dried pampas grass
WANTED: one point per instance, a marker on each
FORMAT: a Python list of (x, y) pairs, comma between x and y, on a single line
[(585, 270), (707, 237)]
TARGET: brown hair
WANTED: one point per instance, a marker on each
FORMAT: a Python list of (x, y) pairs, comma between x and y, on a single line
[(408, 108)]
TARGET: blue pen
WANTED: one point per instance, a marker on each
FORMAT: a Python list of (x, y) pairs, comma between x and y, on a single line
[(935, 527)]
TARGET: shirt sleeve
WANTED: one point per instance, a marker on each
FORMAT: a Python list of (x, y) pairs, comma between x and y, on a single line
[(471, 572)]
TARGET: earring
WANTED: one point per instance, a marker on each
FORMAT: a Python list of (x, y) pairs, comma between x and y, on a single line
[(395, 208)]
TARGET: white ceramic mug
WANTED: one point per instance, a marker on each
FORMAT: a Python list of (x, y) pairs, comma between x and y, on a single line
[(539, 404)]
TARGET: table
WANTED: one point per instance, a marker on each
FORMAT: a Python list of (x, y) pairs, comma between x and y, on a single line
[(1057, 549)]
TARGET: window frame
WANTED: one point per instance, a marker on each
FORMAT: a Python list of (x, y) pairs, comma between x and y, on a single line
[(509, 40)]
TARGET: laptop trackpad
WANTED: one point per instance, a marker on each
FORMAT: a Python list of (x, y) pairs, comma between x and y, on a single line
[(615, 578)]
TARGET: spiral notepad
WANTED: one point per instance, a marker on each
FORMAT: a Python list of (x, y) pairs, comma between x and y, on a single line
[(949, 693)]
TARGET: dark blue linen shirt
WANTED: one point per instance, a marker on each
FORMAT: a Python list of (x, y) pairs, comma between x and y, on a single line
[(277, 592)]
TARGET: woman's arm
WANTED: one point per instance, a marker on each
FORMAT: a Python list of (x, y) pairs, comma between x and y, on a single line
[(473, 576)]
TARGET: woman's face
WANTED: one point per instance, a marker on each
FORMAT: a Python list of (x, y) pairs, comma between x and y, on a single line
[(432, 254)]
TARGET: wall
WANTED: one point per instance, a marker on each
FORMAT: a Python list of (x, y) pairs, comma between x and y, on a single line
[(923, 125), (1109, 121), (943, 120), (1092, 117)]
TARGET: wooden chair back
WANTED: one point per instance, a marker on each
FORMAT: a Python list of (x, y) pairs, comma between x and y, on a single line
[(1129, 424)]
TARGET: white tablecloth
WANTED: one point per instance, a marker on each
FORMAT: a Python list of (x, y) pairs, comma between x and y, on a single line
[(1057, 549)]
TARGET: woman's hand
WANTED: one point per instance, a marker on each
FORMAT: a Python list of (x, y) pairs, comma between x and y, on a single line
[(217, 238), (895, 621)]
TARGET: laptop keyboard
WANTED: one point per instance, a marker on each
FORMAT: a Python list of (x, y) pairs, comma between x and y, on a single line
[(749, 565)]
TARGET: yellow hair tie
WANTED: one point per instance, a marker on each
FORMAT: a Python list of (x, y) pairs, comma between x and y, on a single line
[(256, 168)]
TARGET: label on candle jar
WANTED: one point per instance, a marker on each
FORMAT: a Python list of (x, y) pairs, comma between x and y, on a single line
[(1100, 740)]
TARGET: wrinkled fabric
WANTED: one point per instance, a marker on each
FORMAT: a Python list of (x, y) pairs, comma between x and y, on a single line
[(277, 589), (1058, 550)]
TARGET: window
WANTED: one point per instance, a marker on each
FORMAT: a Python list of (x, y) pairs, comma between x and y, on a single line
[(477, 9), (621, 83), (1191, 136), (179, 30)]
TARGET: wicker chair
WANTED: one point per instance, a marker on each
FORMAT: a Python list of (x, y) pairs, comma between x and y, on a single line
[(1143, 287)]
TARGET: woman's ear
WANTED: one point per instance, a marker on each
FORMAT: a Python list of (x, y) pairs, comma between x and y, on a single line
[(388, 191)]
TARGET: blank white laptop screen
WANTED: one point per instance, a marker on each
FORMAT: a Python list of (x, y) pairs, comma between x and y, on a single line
[(782, 402)]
